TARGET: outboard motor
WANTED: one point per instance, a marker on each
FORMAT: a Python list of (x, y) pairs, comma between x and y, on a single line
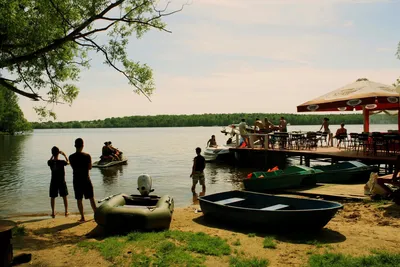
[(144, 185)]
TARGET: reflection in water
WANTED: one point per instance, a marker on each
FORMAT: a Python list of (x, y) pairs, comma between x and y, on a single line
[(111, 174), (11, 148)]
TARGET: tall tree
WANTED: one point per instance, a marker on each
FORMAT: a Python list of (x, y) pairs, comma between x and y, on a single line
[(12, 118), (45, 43)]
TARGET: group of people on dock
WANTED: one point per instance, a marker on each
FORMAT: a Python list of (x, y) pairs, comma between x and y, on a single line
[(338, 135), (81, 164)]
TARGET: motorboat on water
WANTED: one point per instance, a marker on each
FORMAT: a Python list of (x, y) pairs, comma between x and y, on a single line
[(222, 152), (217, 153)]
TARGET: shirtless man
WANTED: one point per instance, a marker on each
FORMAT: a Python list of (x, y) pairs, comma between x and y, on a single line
[(81, 164), (212, 142)]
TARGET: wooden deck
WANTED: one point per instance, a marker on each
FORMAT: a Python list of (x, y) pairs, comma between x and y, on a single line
[(326, 152)]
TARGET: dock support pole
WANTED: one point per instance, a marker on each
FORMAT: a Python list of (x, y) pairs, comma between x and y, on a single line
[(301, 160), (307, 161)]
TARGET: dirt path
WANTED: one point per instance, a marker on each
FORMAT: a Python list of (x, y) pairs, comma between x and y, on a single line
[(356, 230)]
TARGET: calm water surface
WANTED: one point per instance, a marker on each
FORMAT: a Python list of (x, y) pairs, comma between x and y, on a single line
[(164, 153)]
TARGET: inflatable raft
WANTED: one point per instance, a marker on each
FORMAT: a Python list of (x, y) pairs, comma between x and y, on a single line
[(124, 213)]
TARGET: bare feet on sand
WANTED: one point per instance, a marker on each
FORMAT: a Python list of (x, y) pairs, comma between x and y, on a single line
[(53, 215), (82, 220), (66, 214)]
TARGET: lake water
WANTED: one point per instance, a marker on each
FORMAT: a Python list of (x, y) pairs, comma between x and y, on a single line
[(164, 153)]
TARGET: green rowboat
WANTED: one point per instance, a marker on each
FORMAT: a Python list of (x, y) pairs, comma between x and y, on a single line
[(291, 177), (348, 172)]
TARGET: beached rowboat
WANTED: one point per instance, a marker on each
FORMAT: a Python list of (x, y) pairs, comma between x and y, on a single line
[(347, 172), (268, 211)]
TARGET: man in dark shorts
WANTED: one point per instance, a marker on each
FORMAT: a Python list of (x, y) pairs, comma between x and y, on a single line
[(81, 163), (197, 175), (58, 186)]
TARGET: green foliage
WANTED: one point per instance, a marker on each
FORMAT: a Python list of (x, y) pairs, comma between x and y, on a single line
[(208, 120), (382, 259), (19, 231), (269, 242), (12, 118), (251, 235), (110, 248), (169, 248), (45, 44), (242, 262)]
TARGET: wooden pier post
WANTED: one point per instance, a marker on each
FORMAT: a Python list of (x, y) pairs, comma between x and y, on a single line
[(307, 161)]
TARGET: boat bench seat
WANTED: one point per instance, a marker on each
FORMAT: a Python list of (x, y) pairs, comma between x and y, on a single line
[(275, 207), (229, 200)]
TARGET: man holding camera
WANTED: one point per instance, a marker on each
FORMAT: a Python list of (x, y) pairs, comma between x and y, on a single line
[(58, 186)]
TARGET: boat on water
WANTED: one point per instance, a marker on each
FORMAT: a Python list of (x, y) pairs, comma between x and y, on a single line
[(218, 153), (108, 162), (346, 172), (270, 212), (291, 177), (123, 213)]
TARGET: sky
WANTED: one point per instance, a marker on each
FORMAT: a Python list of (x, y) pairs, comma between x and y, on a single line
[(245, 56)]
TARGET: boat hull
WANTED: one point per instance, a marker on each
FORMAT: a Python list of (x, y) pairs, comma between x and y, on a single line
[(105, 164), (350, 172), (299, 215), (124, 213), (222, 154), (292, 177)]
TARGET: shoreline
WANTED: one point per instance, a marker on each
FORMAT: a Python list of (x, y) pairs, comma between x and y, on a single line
[(358, 229)]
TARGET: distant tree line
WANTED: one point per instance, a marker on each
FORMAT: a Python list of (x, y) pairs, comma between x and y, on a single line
[(212, 120)]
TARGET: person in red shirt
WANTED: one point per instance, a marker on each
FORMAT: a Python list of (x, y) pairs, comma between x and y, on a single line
[(58, 186), (81, 164)]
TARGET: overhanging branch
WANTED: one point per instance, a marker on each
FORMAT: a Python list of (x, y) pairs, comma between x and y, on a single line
[(9, 86)]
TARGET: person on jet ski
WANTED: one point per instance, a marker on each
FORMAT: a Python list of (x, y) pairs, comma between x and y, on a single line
[(106, 151), (115, 152)]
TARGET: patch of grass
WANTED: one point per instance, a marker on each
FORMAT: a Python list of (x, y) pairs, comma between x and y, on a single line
[(383, 259), (19, 231), (251, 235), (140, 260), (110, 248), (243, 262), (205, 244), (236, 243), (269, 242), (168, 248)]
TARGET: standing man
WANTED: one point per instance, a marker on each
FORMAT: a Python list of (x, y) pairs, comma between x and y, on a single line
[(81, 163), (58, 184), (243, 132), (197, 175)]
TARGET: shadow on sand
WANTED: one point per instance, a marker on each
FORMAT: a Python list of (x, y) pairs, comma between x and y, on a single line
[(324, 236), (392, 211)]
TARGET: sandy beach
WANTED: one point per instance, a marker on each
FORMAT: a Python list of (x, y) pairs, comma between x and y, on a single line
[(358, 229)]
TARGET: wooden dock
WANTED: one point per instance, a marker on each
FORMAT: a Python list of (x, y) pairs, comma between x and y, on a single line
[(265, 158)]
